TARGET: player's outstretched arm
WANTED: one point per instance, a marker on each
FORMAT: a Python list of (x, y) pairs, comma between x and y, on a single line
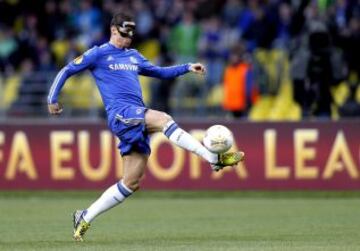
[(150, 70)]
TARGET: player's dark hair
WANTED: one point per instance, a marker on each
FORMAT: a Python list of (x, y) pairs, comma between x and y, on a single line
[(121, 17)]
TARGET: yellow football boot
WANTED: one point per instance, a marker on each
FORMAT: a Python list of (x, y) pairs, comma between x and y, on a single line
[(227, 159), (80, 225)]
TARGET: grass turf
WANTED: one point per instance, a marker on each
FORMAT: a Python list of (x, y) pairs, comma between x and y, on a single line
[(185, 221)]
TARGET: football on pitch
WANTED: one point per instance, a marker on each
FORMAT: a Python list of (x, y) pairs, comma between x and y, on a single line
[(218, 139)]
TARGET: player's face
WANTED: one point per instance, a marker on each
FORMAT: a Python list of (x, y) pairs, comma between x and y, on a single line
[(119, 40)]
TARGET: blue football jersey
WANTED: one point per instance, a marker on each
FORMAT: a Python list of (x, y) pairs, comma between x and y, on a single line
[(116, 74)]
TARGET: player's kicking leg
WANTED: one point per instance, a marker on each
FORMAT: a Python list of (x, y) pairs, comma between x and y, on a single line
[(159, 121), (134, 167)]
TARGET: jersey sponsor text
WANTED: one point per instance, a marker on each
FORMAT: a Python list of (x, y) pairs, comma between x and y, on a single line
[(126, 67)]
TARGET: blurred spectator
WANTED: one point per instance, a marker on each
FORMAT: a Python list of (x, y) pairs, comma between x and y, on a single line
[(108, 8), (340, 14), (144, 19), (175, 12), (255, 27), (283, 27), (183, 46), (239, 87), (8, 45), (231, 12), (212, 49), (160, 9), (27, 38), (49, 22), (247, 16), (184, 39), (66, 13), (88, 22), (316, 67)]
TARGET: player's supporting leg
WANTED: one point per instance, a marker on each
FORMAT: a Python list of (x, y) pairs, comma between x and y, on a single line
[(134, 167), (161, 122)]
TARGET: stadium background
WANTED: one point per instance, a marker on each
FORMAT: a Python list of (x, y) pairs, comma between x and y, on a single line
[(275, 41), (283, 75)]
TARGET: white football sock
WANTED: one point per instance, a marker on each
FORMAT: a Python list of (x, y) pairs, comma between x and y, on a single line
[(113, 196), (184, 140)]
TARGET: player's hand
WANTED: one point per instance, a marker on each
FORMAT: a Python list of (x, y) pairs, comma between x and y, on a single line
[(55, 109), (197, 68)]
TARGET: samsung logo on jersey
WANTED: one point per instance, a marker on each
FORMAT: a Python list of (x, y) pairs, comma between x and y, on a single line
[(126, 67)]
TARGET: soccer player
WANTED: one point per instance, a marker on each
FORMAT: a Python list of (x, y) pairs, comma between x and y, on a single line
[(116, 69)]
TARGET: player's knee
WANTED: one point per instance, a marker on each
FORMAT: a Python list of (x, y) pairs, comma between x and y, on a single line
[(156, 120), (165, 118), (133, 184)]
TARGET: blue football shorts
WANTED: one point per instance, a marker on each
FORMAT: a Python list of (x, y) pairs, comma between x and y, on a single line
[(128, 124)]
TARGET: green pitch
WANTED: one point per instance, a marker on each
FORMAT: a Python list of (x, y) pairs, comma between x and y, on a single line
[(185, 221)]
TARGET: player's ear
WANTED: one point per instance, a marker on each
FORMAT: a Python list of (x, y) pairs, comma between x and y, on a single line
[(113, 30)]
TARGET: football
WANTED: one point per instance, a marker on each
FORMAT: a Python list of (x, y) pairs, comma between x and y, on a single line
[(218, 139)]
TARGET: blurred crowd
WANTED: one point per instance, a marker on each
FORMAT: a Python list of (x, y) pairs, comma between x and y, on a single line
[(251, 48)]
